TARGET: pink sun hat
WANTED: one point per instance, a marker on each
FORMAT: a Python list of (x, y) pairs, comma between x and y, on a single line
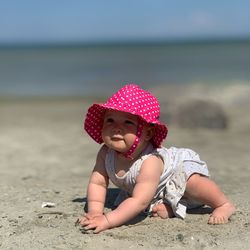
[(131, 99)]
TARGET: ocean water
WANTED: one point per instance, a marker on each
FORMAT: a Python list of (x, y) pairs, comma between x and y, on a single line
[(97, 70)]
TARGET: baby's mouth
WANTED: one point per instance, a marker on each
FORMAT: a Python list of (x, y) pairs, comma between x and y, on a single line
[(116, 138)]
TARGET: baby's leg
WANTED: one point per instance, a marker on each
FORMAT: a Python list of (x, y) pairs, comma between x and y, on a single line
[(202, 189)]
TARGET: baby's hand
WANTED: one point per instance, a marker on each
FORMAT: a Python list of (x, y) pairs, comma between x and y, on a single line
[(98, 223), (87, 216), (90, 215)]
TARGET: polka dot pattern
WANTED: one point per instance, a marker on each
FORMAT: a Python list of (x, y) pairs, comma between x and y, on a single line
[(132, 99)]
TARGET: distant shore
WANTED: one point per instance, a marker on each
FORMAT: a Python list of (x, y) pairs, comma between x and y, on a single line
[(119, 43)]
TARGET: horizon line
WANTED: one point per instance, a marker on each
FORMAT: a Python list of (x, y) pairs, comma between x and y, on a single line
[(129, 42)]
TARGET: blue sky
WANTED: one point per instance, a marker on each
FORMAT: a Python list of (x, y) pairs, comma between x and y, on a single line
[(28, 21)]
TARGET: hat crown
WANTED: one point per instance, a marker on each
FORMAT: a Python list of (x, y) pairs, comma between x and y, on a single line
[(137, 101)]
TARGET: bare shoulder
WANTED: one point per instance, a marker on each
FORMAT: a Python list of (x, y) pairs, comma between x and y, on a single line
[(153, 165), (100, 160)]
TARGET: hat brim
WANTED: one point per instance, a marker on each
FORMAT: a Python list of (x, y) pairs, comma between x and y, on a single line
[(94, 121)]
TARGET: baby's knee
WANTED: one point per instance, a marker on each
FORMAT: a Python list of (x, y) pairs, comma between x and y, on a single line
[(194, 179), (194, 182)]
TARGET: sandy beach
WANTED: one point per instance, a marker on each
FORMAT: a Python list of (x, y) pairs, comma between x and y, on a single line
[(46, 156)]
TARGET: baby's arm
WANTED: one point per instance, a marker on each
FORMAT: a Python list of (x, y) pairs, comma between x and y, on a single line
[(144, 190), (97, 187)]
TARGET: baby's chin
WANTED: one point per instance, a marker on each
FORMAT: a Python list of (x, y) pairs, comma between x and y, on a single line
[(118, 146)]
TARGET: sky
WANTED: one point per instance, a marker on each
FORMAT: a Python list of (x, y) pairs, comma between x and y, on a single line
[(87, 21)]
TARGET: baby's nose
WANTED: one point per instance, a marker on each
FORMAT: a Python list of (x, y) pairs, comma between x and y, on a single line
[(117, 128)]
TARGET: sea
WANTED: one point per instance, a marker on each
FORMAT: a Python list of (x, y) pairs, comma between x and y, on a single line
[(99, 69)]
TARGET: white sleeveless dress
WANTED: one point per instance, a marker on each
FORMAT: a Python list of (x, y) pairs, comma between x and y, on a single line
[(179, 165)]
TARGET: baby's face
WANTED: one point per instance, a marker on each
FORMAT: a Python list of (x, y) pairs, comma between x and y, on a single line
[(119, 130)]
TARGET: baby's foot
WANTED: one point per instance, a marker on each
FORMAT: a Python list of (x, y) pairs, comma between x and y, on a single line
[(221, 214), (162, 210)]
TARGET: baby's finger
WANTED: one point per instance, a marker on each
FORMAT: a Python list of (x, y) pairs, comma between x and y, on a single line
[(90, 226), (85, 222), (98, 230), (81, 220)]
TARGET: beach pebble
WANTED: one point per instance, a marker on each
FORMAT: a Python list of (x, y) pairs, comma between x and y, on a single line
[(48, 204), (180, 237)]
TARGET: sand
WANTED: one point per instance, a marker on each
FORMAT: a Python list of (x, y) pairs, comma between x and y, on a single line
[(46, 157)]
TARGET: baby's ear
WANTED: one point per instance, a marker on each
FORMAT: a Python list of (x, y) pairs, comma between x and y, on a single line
[(150, 133)]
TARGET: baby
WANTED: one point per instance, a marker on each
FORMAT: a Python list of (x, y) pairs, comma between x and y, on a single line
[(161, 181)]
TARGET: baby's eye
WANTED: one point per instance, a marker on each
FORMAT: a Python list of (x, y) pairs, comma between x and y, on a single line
[(128, 122), (109, 120)]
